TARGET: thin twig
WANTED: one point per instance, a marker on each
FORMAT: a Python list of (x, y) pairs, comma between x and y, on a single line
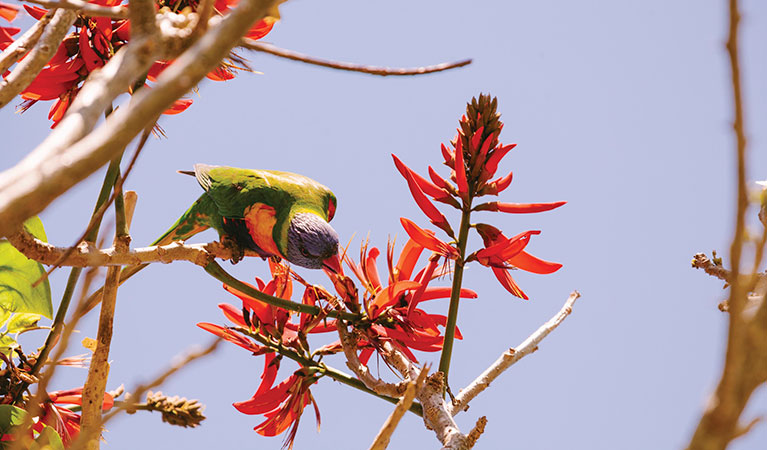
[(701, 261), (511, 356), (84, 8), (381, 441), (22, 45), (339, 65), (26, 71)]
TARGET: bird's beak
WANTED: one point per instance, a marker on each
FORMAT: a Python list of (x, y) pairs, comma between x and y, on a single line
[(333, 264)]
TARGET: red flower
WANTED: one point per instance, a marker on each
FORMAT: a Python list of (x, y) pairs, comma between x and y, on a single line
[(415, 183), (8, 12), (282, 405), (427, 239), (6, 36), (502, 254), (63, 420)]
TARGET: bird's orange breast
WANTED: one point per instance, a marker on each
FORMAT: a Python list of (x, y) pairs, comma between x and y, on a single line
[(260, 219)]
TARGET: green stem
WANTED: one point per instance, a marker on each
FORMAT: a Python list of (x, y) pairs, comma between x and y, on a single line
[(452, 315), (333, 373), (214, 269), (109, 180)]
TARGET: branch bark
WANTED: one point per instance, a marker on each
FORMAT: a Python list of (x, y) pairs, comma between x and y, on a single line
[(384, 435), (511, 356), (86, 255)]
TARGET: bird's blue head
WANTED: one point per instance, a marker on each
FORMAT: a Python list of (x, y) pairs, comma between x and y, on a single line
[(312, 243)]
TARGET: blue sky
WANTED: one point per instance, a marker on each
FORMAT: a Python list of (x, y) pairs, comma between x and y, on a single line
[(621, 108)]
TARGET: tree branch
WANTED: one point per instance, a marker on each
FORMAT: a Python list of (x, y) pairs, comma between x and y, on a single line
[(84, 8), (20, 46), (43, 51), (371, 70), (86, 255), (511, 356), (384, 435), (98, 372)]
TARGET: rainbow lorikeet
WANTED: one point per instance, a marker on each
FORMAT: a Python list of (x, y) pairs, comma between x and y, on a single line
[(275, 214)]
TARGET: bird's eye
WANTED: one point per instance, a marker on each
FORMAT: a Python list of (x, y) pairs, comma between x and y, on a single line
[(304, 252)]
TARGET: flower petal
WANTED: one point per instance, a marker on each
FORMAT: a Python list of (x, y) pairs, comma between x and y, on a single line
[(425, 204), (408, 258), (530, 263), (491, 165), (427, 239), (507, 282), (460, 170), (426, 186)]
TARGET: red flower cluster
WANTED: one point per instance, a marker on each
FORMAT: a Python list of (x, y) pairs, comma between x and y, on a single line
[(388, 311), (62, 419), (94, 41), (473, 160)]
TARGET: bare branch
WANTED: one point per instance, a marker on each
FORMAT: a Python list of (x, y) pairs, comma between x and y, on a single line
[(384, 435), (142, 18), (98, 372), (86, 255), (511, 356), (701, 261), (22, 45), (435, 411), (371, 70), (84, 8), (349, 345), (46, 47), (67, 157), (745, 365)]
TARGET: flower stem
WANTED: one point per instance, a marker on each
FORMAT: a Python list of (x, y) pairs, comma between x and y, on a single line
[(452, 315), (109, 180), (218, 272)]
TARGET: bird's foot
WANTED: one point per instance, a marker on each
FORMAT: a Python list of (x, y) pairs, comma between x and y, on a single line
[(238, 253)]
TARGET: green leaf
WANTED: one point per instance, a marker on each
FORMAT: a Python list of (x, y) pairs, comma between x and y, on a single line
[(22, 321), (11, 416), (7, 344), (17, 273), (48, 440)]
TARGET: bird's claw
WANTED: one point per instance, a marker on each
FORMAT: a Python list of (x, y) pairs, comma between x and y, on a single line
[(238, 253)]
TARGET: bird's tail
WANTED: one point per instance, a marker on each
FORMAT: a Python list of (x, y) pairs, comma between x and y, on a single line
[(199, 217)]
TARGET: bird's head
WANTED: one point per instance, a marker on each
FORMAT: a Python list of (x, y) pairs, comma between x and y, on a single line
[(313, 243)]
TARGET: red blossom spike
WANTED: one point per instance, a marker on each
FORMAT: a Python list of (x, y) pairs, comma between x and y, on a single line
[(262, 310), (448, 155), (439, 181), (35, 11), (518, 208), (424, 282), (504, 277), (504, 250), (426, 206), (267, 401), (408, 258), (427, 239), (474, 142), (8, 12), (232, 336), (530, 263), (426, 186), (390, 295), (491, 165), (233, 314), (371, 270), (432, 293), (486, 147), (178, 106), (460, 171)]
